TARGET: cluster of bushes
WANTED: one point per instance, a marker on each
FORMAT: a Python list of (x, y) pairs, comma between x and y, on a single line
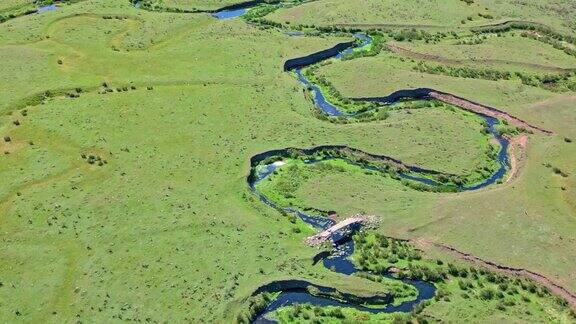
[(256, 16), (526, 26), (471, 18), (556, 43), (154, 5), (557, 82), (292, 177), (486, 16), (504, 129), (419, 186), (74, 93), (357, 158), (23, 12), (472, 41), (108, 17), (484, 172), (376, 253), (463, 72), (335, 29), (308, 312), (535, 31), (255, 305), (106, 88), (94, 159), (15, 15), (557, 170), (413, 34)]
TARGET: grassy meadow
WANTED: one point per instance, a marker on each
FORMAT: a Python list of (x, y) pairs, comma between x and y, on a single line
[(11, 5), (186, 5), (198, 4), (430, 14), (540, 195), (494, 51), (126, 135)]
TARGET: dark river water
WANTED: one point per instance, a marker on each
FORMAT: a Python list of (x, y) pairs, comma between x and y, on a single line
[(295, 291)]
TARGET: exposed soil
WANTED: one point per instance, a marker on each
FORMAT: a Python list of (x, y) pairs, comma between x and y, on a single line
[(517, 155), (486, 110)]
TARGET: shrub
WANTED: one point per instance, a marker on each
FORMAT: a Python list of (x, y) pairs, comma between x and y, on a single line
[(337, 313), (465, 284), (487, 294)]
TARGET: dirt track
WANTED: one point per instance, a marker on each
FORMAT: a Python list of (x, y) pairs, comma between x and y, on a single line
[(486, 110), (517, 153)]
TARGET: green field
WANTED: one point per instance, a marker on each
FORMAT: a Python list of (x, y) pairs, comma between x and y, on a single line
[(185, 5), (11, 5), (429, 13), (126, 137), (528, 54)]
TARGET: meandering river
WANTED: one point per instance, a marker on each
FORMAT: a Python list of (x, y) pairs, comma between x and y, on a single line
[(293, 292)]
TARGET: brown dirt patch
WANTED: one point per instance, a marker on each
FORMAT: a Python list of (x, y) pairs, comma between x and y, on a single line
[(486, 110), (517, 155)]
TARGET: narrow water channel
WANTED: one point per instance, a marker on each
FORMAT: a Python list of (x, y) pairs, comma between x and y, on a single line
[(339, 260), (292, 292)]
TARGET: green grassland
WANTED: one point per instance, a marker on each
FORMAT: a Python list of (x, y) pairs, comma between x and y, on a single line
[(520, 53), (11, 5), (428, 13), (539, 193), (124, 192), (208, 3), (161, 196), (185, 5), (199, 4), (11, 9), (363, 78), (463, 293)]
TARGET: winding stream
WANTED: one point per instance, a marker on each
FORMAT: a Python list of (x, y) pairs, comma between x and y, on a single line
[(293, 292), (422, 93)]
